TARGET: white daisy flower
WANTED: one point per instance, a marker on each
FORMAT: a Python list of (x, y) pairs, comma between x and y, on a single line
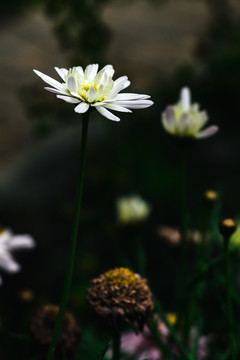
[(186, 120), (95, 89), (132, 209), (8, 243)]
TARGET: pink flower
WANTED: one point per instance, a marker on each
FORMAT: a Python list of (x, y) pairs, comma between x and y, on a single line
[(142, 347)]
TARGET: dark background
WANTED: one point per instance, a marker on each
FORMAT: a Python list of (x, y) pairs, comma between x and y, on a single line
[(161, 46)]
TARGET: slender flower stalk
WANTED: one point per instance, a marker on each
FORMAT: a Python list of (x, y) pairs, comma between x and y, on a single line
[(227, 228), (73, 240), (182, 281), (184, 210), (132, 212)]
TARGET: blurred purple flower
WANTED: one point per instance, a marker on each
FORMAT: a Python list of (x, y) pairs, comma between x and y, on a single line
[(142, 346)]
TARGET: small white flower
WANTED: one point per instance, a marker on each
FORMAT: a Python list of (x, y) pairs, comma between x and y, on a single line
[(132, 209), (9, 242), (186, 120), (98, 90)]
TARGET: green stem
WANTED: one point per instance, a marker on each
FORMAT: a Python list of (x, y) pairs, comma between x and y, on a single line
[(184, 215), (182, 281), (116, 345), (73, 240), (140, 256), (232, 342)]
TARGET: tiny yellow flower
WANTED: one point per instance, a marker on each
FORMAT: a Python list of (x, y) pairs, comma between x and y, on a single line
[(211, 195), (185, 120), (172, 318)]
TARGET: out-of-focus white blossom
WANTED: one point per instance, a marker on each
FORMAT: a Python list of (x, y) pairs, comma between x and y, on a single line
[(8, 243), (132, 209), (95, 89), (185, 120)]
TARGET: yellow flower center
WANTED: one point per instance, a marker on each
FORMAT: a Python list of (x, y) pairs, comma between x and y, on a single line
[(120, 277), (86, 87), (84, 93)]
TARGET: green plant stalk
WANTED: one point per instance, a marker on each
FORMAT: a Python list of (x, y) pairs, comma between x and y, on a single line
[(140, 256), (103, 352), (182, 281), (73, 239), (116, 341), (116, 249), (232, 342)]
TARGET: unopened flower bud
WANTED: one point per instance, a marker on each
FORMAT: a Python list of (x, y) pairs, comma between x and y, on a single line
[(210, 195), (227, 227)]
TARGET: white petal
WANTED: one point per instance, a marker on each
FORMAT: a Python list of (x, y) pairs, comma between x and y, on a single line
[(91, 71), (21, 241), (120, 84), (131, 96), (82, 107), (68, 99), (91, 94), (55, 91), (201, 120), (170, 114), (135, 104), (109, 70), (71, 84), (185, 98), (127, 83), (99, 103), (168, 119), (117, 108), (211, 130), (8, 263), (107, 113), (80, 70), (99, 76), (5, 235), (103, 75), (50, 81), (61, 72), (183, 124)]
